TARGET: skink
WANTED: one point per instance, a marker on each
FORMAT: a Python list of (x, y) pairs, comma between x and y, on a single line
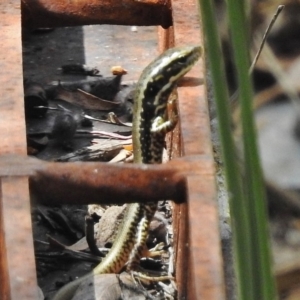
[(150, 126)]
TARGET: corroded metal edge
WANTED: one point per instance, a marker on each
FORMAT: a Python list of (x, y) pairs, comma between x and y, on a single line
[(17, 270), (199, 265), (56, 13)]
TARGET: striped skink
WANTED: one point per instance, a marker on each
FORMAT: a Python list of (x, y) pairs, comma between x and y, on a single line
[(150, 126)]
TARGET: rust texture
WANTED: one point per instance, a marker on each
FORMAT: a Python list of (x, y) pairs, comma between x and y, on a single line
[(55, 13), (199, 264), (196, 222), (94, 182), (17, 269)]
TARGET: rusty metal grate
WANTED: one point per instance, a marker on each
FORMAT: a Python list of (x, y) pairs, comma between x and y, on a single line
[(199, 272)]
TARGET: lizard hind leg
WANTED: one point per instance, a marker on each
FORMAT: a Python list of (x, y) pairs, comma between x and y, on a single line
[(133, 265)]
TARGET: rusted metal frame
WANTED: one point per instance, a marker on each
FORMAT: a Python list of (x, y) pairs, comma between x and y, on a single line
[(55, 13), (17, 269), (200, 199), (196, 222)]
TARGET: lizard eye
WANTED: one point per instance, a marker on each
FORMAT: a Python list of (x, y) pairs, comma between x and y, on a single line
[(181, 60)]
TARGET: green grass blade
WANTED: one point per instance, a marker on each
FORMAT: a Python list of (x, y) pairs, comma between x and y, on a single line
[(237, 201), (247, 197), (262, 277)]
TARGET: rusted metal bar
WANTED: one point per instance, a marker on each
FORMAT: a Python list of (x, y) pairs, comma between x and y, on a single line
[(55, 13), (94, 182), (17, 268), (196, 222)]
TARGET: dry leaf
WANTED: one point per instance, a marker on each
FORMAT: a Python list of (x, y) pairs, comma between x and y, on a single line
[(84, 99), (121, 156), (108, 225)]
